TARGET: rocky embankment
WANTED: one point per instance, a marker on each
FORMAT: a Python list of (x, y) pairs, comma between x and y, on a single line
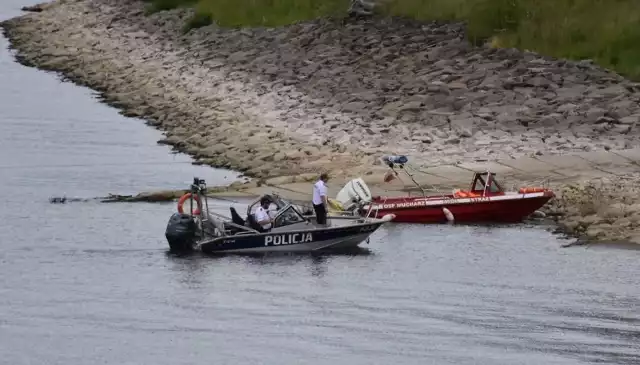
[(330, 95), (599, 210)]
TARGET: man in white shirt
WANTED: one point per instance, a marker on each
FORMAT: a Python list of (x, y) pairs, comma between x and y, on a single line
[(262, 215), (319, 201)]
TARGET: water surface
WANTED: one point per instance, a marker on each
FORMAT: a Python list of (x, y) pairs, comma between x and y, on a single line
[(91, 283)]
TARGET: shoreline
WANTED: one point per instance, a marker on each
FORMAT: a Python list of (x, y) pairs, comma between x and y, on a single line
[(317, 102)]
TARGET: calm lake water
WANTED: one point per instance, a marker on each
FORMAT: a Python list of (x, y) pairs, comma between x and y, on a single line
[(91, 283)]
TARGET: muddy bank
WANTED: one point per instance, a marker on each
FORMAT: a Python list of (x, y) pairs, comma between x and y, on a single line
[(330, 94)]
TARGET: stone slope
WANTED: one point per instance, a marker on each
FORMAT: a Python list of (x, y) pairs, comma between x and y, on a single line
[(329, 94)]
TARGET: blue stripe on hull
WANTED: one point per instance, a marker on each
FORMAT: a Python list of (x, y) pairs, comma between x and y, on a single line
[(281, 241)]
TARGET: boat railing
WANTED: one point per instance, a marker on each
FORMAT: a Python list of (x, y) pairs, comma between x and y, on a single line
[(426, 189), (544, 182)]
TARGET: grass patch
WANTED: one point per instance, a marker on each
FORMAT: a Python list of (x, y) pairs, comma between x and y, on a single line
[(198, 20), (253, 13), (269, 13), (607, 31), (155, 6)]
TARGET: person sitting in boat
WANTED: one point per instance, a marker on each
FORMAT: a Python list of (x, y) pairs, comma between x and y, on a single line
[(262, 214)]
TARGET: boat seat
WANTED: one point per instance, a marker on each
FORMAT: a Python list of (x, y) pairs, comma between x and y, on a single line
[(235, 217)]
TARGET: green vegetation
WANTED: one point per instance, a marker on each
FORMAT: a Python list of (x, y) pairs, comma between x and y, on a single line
[(269, 13), (259, 13), (159, 5), (607, 31), (199, 19)]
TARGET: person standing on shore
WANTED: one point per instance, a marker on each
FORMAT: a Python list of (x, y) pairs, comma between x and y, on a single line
[(320, 200)]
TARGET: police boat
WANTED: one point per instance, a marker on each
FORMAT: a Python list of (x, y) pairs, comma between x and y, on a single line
[(195, 228)]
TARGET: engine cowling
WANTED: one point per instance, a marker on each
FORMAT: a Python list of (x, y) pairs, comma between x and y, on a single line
[(181, 232), (354, 194)]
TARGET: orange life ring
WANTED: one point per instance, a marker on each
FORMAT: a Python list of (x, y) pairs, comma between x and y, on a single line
[(184, 198), (529, 189)]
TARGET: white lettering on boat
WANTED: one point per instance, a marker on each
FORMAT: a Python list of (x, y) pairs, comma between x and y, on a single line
[(287, 239), (480, 199), (424, 203), (420, 203)]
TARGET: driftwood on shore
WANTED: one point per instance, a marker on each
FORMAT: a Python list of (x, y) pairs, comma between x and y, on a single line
[(149, 197), (146, 197)]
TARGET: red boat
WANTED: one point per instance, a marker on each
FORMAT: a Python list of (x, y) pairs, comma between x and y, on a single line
[(485, 201)]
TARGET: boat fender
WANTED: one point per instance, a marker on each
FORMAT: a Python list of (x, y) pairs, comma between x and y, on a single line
[(388, 217), (184, 198), (448, 215)]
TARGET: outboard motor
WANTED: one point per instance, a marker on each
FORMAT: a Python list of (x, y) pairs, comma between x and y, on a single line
[(353, 194), (181, 232)]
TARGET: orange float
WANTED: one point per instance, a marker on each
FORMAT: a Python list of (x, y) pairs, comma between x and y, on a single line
[(184, 198), (529, 190)]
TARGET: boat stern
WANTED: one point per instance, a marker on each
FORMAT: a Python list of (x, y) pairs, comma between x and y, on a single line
[(181, 232)]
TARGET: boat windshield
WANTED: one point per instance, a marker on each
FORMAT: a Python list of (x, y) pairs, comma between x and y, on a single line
[(288, 216), (480, 183)]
